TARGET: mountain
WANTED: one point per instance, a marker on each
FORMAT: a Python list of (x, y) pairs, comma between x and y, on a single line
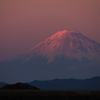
[(68, 43), (68, 84), (66, 54), (2, 84)]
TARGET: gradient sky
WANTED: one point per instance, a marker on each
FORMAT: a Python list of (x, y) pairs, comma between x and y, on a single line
[(24, 23)]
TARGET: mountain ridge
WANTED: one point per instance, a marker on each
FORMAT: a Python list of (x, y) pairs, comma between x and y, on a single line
[(65, 84), (68, 84)]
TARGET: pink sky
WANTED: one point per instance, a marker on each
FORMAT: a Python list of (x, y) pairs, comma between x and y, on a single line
[(24, 23)]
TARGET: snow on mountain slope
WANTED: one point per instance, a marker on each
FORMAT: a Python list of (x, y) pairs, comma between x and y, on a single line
[(68, 43)]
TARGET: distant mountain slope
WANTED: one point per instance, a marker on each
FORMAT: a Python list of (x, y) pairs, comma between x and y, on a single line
[(2, 84), (66, 54), (68, 43), (68, 84)]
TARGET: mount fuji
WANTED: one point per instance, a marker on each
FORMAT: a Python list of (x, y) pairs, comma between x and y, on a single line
[(66, 54)]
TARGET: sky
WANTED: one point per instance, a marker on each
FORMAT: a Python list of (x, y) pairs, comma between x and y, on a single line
[(25, 23)]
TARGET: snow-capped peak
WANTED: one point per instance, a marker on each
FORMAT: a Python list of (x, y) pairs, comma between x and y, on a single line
[(68, 43)]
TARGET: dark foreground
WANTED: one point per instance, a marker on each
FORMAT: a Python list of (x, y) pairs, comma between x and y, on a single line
[(49, 95)]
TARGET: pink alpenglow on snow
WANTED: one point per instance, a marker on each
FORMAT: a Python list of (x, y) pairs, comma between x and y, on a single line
[(68, 43)]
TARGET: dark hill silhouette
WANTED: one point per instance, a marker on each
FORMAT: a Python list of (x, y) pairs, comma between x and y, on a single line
[(59, 84), (68, 84), (19, 86)]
